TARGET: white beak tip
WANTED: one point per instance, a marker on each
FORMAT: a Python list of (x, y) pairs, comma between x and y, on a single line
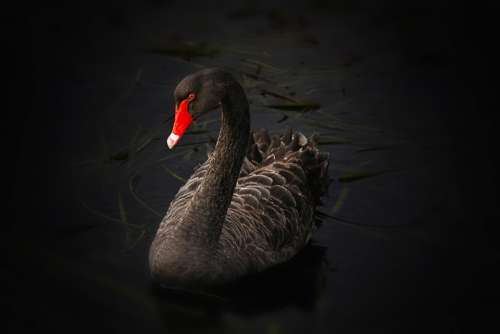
[(172, 140)]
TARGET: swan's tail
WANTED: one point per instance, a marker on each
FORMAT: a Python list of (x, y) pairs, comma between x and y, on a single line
[(293, 147)]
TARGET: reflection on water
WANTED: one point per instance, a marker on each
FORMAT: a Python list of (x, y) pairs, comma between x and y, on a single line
[(298, 283)]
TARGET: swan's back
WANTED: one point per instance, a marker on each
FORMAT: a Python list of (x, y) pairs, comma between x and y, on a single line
[(271, 215)]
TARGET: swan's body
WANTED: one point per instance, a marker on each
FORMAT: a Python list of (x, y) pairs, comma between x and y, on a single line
[(248, 207)]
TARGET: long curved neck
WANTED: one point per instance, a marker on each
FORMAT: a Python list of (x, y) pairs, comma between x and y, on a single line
[(207, 211)]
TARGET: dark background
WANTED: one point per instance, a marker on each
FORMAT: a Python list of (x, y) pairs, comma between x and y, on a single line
[(456, 290)]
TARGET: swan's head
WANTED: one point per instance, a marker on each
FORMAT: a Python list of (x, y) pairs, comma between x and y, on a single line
[(197, 94)]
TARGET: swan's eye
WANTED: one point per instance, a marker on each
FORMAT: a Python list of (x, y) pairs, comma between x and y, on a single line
[(191, 97)]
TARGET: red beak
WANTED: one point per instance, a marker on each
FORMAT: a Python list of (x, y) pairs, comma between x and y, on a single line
[(182, 121)]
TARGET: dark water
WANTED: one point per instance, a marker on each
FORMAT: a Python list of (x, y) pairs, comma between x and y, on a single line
[(415, 245)]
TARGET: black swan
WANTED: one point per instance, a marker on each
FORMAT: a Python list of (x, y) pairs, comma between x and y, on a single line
[(250, 206)]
